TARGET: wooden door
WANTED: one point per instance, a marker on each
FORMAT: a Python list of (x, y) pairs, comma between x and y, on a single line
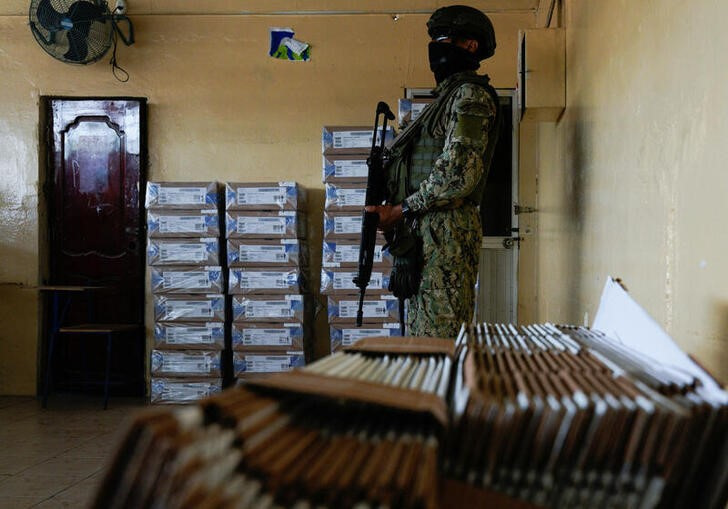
[(97, 158)]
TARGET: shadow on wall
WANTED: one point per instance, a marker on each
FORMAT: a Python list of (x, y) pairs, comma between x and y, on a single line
[(576, 183)]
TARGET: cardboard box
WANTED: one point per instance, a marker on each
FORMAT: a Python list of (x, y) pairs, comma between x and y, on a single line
[(183, 223), (270, 308), (204, 251), (241, 379), (341, 281), (267, 253), (273, 362), (189, 308), (410, 109), (350, 139), (343, 335), (252, 336), (187, 280), (181, 195), (189, 336), (266, 280), (343, 168), (343, 308), (286, 224), (345, 196), (183, 390), (342, 225), (345, 253), (186, 363), (264, 196), (304, 382)]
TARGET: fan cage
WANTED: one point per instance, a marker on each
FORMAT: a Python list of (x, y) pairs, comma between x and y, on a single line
[(56, 42)]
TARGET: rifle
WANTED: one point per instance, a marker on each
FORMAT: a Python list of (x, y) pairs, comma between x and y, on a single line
[(374, 196)]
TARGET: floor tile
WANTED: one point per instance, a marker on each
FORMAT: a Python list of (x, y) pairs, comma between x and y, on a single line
[(56, 457), (81, 493), (19, 412), (56, 503), (18, 502), (65, 464), (38, 485), (15, 464)]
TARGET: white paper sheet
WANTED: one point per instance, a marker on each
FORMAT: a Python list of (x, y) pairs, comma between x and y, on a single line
[(622, 319)]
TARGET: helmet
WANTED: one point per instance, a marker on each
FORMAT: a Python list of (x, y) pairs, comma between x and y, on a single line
[(464, 21)]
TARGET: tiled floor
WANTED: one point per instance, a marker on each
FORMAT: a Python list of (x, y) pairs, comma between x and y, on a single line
[(55, 457)]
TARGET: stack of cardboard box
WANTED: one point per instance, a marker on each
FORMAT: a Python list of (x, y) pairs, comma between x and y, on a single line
[(187, 283), (268, 259), (410, 109), (345, 151)]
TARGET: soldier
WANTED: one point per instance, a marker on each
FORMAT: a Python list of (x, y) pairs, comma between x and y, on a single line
[(436, 175)]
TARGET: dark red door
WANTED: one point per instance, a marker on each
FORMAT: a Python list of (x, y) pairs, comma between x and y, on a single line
[(98, 153)]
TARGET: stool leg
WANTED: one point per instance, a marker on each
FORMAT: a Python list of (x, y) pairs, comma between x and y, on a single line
[(140, 347), (108, 370), (49, 363)]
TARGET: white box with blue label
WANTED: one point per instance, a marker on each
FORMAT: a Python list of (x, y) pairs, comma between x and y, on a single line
[(264, 196), (182, 195), (183, 223), (187, 280), (185, 251)]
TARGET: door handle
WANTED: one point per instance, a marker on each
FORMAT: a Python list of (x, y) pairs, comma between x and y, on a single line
[(509, 242)]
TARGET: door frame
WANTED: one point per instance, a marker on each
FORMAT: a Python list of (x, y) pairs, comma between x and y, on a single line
[(512, 242), (46, 205)]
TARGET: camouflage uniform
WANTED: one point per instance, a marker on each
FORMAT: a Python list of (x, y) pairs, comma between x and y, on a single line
[(448, 221)]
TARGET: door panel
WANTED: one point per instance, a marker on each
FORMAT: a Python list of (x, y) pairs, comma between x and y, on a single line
[(93, 185), (496, 293)]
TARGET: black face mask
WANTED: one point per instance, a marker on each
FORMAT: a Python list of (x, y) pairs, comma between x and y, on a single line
[(447, 59)]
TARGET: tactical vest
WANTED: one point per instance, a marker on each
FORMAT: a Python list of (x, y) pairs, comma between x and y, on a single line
[(416, 149), (424, 153)]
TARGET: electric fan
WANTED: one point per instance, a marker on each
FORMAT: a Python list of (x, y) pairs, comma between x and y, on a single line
[(77, 31)]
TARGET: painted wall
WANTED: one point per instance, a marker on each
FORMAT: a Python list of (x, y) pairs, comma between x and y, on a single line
[(632, 180), (219, 109)]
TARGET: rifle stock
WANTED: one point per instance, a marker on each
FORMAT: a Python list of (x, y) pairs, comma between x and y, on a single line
[(374, 196)]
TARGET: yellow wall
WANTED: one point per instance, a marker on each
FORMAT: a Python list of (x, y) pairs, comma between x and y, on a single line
[(219, 109), (632, 180)]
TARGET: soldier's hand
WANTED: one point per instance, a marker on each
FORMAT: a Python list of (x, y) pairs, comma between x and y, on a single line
[(389, 215)]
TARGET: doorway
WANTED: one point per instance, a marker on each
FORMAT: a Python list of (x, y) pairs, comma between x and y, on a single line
[(497, 293), (95, 172)]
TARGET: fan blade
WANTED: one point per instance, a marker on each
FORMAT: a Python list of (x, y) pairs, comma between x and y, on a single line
[(82, 13), (48, 17), (77, 47)]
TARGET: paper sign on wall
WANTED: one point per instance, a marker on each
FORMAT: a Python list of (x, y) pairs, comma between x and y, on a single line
[(284, 47)]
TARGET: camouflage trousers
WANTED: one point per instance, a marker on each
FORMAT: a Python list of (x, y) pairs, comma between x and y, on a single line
[(451, 242)]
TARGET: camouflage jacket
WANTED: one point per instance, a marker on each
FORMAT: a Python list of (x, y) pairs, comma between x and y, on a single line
[(459, 171)]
